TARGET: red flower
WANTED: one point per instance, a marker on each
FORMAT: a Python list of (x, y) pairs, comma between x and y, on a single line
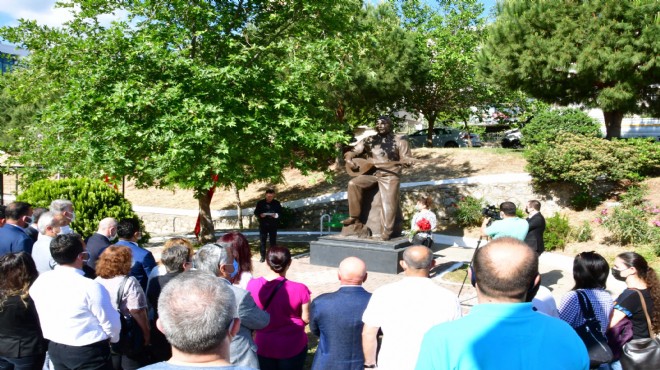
[(424, 225)]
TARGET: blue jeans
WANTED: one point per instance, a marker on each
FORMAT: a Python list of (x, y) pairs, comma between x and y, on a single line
[(22, 363)]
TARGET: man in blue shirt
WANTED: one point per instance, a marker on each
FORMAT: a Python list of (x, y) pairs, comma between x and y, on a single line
[(13, 238), (503, 331), (129, 233), (509, 224)]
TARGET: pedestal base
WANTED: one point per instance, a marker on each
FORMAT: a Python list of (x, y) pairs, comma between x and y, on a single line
[(380, 256)]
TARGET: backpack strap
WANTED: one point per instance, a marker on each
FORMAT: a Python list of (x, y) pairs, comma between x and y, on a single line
[(270, 298)]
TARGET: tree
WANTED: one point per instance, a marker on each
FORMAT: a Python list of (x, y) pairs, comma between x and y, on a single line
[(185, 92), (448, 34), (597, 53)]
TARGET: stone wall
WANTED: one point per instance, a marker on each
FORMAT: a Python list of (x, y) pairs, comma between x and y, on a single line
[(444, 196)]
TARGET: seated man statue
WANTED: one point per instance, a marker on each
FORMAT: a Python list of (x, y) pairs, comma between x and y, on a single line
[(385, 155)]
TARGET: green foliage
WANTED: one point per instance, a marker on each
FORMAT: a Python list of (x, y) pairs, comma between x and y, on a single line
[(545, 126), (635, 221), (447, 35), (598, 53), (287, 217), (586, 162), (468, 211), (92, 200), (582, 233), (556, 233), (585, 200)]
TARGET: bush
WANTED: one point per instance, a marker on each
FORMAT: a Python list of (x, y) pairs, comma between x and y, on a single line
[(93, 200), (586, 162), (545, 126), (583, 233), (468, 211), (635, 221), (556, 233)]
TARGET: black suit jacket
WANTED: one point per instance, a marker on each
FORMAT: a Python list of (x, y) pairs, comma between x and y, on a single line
[(534, 236), (96, 244)]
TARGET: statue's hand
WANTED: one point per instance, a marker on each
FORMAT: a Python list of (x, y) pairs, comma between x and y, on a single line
[(352, 165)]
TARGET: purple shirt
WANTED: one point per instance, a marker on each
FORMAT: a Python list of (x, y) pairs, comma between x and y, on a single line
[(284, 337)]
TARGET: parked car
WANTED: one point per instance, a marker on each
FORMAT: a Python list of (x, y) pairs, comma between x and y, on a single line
[(443, 137), (512, 139)]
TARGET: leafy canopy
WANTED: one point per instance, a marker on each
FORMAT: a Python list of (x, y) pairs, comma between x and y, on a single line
[(601, 53)]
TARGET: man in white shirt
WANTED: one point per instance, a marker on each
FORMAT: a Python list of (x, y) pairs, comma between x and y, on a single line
[(49, 227), (405, 310), (76, 313), (63, 210)]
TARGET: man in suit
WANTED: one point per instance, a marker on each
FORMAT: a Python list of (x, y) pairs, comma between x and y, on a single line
[(337, 319), (219, 261), (268, 211), (100, 240), (129, 233), (536, 223), (13, 238)]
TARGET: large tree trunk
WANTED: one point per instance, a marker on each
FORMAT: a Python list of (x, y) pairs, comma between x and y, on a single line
[(613, 124), (239, 210), (207, 232)]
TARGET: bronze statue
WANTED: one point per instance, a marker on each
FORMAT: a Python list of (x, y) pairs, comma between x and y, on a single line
[(378, 207)]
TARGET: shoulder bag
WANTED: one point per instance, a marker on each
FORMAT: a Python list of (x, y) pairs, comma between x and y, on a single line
[(270, 298), (644, 353), (589, 332), (131, 338)]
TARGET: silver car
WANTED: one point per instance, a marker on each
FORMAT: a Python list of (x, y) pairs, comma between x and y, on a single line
[(443, 137)]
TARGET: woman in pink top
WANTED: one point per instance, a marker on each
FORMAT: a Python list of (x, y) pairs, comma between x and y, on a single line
[(282, 345)]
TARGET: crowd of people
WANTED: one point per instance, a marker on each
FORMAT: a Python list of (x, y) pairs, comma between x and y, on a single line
[(66, 304)]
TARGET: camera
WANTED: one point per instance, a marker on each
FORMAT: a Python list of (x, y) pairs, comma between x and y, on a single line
[(491, 212)]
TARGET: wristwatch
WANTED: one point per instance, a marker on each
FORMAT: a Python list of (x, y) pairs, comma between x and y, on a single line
[(372, 366)]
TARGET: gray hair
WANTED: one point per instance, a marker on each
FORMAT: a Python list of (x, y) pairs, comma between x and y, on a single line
[(45, 220), (174, 257), (210, 257), (60, 205), (196, 311)]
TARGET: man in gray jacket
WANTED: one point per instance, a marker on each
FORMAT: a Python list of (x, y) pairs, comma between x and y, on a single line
[(218, 260)]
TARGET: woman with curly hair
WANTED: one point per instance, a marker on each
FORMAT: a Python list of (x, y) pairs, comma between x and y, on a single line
[(639, 277), (22, 345), (112, 270), (242, 257)]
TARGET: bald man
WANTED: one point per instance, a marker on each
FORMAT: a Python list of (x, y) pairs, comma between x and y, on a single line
[(405, 310), (337, 319), (101, 239), (503, 331)]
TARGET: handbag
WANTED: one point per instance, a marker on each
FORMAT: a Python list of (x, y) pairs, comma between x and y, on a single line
[(595, 341), (131, 338), (644, 353)]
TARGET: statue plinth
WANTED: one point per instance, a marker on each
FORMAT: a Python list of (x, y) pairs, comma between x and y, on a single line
[(380, 256)]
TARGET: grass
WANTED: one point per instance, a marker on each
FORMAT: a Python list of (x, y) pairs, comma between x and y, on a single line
[(294, 248)]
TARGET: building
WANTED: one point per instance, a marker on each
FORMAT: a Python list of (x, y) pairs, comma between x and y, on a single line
[(8, 57)]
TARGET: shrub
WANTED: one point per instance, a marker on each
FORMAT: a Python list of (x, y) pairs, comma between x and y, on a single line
[(556, 232), (93, 200), (586, 162), (545, 126), (582, 233), (468, 211)]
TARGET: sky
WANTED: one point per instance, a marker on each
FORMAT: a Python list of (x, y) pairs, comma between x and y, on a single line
[(46, 14)]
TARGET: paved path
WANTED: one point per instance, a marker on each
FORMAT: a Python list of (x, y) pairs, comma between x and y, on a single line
[(556, 271)]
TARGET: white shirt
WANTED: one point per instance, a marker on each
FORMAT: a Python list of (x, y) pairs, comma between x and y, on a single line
[(74, 310), (428, 215), (405, 311), (41, 254), (544, 302)]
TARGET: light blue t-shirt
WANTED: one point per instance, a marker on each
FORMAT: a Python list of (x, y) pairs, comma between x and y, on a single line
[(513, 226), (167, 366), (503, 336)]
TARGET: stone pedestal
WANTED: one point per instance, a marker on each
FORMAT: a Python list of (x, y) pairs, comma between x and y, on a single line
[(380, 256)]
